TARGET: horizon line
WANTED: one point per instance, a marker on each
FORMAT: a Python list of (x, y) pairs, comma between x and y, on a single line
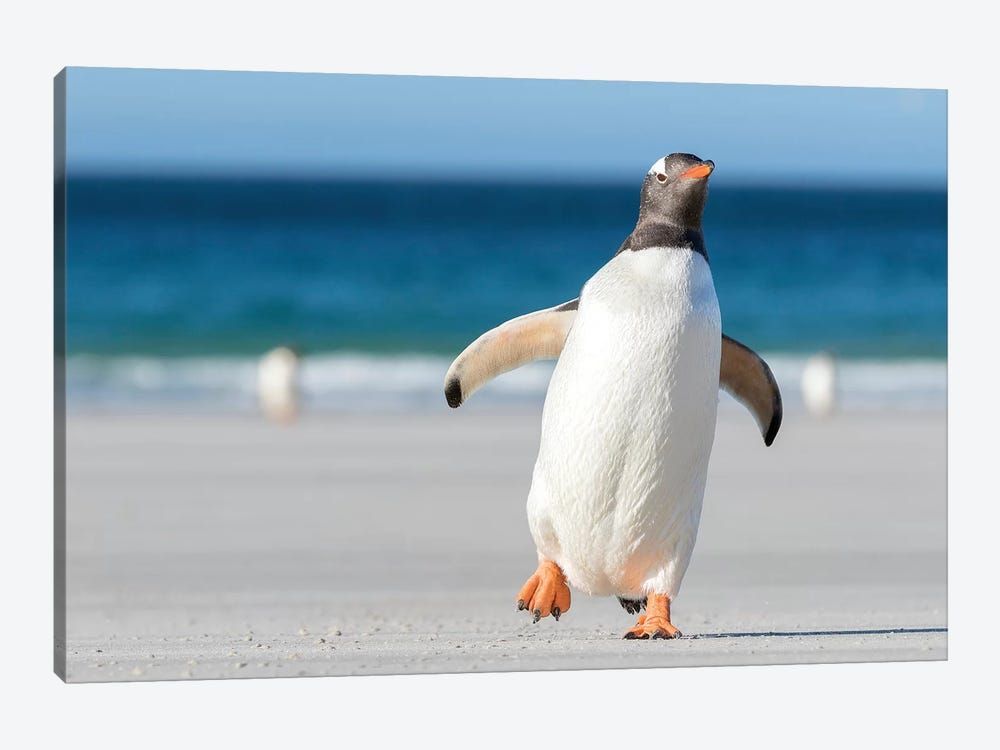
[(828, 182)]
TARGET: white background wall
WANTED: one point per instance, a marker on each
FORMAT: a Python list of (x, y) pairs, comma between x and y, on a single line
[(842, 43)]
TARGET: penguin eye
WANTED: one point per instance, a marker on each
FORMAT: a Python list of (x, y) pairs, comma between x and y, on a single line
[(661, 177)]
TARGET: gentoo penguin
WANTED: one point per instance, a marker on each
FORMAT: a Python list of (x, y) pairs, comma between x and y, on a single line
[(819, 384), (278, 385), (629, 416)]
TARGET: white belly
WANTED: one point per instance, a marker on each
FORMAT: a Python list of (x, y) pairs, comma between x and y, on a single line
[(628, 426)]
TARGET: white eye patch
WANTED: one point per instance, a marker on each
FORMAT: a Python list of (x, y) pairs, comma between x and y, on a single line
[(659, 167)]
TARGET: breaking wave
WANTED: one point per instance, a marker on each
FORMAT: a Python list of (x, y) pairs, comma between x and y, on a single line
[(345, 381)]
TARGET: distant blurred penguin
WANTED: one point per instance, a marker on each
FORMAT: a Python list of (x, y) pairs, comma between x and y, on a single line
[(819, 384), (278, 385)]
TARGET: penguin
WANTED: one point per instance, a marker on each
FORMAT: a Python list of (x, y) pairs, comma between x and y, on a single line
[(278, 385), (819, 384), (629, 416)]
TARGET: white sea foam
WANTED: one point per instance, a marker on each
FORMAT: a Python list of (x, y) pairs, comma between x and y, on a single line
[(351, 381)]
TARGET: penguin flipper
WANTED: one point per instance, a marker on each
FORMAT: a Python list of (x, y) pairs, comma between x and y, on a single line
[(537, 335), (748, 379)]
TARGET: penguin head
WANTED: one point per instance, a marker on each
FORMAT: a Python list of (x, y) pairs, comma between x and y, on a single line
[(675, 190)]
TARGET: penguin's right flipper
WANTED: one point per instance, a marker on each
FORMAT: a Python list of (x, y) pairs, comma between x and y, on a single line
[(537, 335), (748, 379)]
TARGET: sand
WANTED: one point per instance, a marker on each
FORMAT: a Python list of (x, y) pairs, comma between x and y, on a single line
[(215, 546)]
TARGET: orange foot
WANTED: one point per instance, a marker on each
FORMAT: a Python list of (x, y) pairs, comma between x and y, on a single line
[(545, 592), (656, 622)]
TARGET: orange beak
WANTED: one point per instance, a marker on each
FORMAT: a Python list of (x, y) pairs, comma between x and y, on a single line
[(699, 172)]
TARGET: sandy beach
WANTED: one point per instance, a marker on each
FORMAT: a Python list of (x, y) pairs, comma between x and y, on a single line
[(221, 546)]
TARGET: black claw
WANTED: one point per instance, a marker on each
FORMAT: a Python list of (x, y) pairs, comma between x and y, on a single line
[(538, 615), (657, 635), (556, 612), (521, 605), (632, 606), (630, 636)]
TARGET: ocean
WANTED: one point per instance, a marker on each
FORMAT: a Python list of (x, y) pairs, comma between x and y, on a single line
[(177, 286)]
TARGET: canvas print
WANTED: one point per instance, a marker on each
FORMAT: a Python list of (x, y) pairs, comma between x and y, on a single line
[(391, 374)]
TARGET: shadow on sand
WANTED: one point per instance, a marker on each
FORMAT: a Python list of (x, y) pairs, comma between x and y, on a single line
[(793, 633)]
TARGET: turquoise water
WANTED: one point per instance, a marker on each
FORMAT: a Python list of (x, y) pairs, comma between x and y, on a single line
[(210, 273)]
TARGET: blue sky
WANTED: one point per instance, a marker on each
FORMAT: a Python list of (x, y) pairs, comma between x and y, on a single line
[(294, 124)]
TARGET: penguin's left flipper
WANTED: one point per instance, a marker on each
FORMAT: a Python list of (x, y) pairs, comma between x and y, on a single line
[(748, 379), (537, 335)]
